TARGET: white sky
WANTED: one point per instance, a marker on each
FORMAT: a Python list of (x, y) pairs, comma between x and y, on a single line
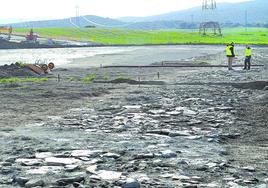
[(50, 9)]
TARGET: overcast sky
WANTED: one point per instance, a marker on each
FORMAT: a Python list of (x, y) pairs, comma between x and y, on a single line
[(50, 9)]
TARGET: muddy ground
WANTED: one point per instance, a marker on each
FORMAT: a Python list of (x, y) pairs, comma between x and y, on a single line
[(191, 127)]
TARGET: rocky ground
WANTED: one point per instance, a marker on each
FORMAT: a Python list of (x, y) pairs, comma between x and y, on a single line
[(191, 127)]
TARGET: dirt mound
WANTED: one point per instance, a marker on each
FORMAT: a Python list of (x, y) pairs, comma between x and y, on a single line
[(259, 85), (132, 82), (15, 70)]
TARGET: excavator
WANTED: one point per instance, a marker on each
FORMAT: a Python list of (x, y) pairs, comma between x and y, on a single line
[(6, 30)]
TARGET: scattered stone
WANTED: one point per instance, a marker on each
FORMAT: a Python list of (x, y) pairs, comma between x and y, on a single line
[(186, 111), (144, 156), (71, 168), (156, 112), (5, 129), (95, 177), (223, 108), (34, 183), (166, 175), (43, 155), (179, 133), (194, 137), (168, 154), (92, 169), (11, 159), (194, 122), (70, 180), (29, 162), (251, 181), (182, 178), (249, 168), (211, 165), (5, 164), (182, 162), (229, 136), (174, 113), (45, 170), (263, 185), (132, 106), (53, 161), (111, 155), (131, 183), (21, 180), (213, 185), (201, 167), (86, 153), (109, 175), (229, 179)]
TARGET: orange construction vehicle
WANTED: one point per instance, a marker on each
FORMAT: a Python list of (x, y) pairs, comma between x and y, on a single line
[(6, 31)]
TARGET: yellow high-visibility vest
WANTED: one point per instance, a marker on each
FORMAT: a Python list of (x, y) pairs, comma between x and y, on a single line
[(248, 52), (228, 50)]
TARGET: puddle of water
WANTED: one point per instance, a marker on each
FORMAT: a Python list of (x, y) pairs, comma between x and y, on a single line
[(58, 56)]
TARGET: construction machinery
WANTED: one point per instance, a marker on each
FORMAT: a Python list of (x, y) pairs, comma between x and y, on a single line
[(6, 30), (31, 37), (41, 67)]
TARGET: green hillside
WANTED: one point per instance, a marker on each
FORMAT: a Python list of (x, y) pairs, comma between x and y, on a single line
[(139, 37)]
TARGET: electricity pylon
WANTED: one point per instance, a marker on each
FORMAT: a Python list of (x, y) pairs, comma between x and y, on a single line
[(209, 6)]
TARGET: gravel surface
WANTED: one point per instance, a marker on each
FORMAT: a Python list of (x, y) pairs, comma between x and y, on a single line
[(191, 127)]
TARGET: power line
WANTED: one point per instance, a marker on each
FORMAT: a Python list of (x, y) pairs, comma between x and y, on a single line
[(246, 21)]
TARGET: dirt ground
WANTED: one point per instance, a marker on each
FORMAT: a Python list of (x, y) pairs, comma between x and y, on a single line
[(189, 127)]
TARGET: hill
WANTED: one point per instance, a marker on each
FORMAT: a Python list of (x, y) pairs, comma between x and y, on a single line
[(83, 21), (226, 12)]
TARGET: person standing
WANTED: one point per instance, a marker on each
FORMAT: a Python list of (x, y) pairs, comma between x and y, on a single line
[(248, 53), (230, 55)]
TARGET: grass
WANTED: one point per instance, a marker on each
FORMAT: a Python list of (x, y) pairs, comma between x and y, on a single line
[(139, 37), (72, 79), (89, 78), (20, 80), (20, 64), (203, 63)]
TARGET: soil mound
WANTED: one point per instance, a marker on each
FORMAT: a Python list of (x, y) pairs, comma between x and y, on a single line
[(15, 70), (259, 85), (132, 82)]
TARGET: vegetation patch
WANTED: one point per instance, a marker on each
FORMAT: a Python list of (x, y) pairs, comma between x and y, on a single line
[(89, 78), (20, 64), (203, 63), (141, 37), (20, 80), (72, 79)]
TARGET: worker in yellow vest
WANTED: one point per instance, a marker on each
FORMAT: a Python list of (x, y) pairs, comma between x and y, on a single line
[(230, 55), (248, 53)]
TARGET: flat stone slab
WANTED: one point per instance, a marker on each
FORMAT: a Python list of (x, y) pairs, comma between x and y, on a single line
[(45, 170), (43, 155), (186, 111), (29, 162), (92, 169), (109, 175), (179, 133), (168, 154), (111, 155), (85, 153), (53, 161)]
